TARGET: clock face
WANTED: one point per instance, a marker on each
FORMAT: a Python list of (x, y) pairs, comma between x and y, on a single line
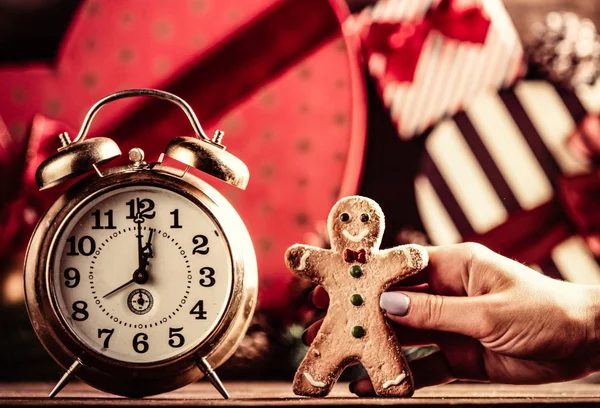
[(141, 274)]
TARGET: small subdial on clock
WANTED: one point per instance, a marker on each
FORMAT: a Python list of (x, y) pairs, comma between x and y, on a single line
[(147, 288), (140, 301)]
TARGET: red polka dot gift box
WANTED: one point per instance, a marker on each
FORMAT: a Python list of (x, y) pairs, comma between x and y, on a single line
[(278, 77)]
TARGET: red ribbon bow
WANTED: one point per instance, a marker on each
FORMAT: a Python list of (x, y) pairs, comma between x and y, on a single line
[(402, 42), (359, 256)]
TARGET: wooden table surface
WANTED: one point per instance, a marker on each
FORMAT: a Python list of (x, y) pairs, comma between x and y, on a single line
[(279, 394)]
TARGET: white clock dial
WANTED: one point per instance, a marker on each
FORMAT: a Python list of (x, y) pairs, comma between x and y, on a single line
[(142, 274)]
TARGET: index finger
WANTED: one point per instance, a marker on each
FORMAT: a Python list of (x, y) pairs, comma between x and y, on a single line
[(447, 272)]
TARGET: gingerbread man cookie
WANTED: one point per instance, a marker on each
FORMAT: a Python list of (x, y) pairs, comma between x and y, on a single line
[(355, 272)]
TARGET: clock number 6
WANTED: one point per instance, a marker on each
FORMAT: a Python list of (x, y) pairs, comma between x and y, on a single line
[(140, 346), (175, 339), (208, 279)]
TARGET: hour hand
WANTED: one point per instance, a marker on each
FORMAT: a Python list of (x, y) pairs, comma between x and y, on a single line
[(147, 249)]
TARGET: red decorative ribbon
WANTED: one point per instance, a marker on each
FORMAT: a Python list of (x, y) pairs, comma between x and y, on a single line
[(585, 140), (580, 196), (359, 256), (402, 43), (21, 205)]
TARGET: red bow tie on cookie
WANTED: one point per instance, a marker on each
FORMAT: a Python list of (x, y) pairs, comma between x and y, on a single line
[(355, 256)]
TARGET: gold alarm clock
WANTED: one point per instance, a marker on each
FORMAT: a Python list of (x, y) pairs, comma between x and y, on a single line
[(142, 278)]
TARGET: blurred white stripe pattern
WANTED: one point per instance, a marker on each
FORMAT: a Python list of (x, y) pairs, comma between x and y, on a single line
[(552, 121), (462, 70), (510, 151), (459, 174), (575, 262), (465, 177), (438, 223)]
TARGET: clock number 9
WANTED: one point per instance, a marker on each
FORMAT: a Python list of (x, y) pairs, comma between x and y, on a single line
[(175, 339), (208, 279), (201, 242), (80, 312), (140, 346), (72, 277)]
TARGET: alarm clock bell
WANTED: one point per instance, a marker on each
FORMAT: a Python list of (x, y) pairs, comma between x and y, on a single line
[(80, 156)]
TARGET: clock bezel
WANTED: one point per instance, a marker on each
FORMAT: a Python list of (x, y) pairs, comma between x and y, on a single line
[(148, 378), (101, 194)]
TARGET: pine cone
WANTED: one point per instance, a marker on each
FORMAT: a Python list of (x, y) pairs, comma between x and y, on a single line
[(566, 50)]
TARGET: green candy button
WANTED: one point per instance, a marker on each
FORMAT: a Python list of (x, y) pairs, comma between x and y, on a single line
[(355, 271), (358, 331), (356, 300)]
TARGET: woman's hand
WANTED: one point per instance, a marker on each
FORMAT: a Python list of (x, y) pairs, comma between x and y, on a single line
[(493, 320)]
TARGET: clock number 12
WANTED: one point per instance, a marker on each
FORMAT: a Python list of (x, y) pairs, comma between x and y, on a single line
[(143, 207)]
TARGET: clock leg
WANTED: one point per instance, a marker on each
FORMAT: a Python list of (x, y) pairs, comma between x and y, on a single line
[(65, 379), (211, 376)]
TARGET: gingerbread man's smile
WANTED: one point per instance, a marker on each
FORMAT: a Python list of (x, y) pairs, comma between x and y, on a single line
[(358, 237)]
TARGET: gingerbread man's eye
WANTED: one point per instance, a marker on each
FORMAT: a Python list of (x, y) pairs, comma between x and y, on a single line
[(345, 217), (364, 217)]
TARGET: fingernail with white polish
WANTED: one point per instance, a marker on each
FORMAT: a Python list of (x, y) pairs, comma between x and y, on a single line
[(394, 303)]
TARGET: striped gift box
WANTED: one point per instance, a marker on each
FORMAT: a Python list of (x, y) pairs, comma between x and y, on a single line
[(449, 72), (498, 162)]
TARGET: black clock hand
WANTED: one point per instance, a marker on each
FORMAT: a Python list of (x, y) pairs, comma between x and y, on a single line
[(119, 288), (147, 249), (139, 220), (140, 276)]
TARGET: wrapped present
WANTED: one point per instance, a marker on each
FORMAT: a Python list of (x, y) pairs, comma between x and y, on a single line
[(517, 171), (429, 58), (277, 76)]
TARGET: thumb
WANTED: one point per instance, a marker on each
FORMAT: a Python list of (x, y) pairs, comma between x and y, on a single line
[(461, 315)]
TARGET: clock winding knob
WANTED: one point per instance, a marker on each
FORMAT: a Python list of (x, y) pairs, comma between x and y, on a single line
[(136, 156)]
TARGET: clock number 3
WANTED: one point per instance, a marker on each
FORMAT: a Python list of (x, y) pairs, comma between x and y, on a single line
[(208, 280)]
